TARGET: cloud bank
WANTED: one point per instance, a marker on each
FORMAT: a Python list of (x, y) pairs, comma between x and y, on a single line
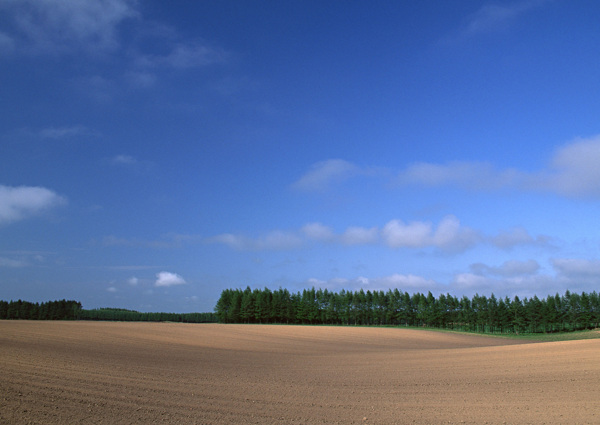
[(523, 278), (449, 236)]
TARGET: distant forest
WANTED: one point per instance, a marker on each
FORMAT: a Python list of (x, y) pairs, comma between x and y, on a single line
[(478, 314), (51, 310), (72, 310), (136, 316)]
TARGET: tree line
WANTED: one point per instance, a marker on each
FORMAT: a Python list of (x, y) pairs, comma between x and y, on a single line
[(51, 310), (123, 315), (554, 313), (72, 310)]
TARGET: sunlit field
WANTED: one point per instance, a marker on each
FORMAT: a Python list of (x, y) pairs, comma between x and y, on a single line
[(105, 372)]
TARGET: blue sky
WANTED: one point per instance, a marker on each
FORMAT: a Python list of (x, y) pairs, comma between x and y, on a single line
[(155, 153)]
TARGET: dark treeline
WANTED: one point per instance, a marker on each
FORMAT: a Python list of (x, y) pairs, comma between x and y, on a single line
[(51, 310), (123, 315), (71, 310), (479, 314)]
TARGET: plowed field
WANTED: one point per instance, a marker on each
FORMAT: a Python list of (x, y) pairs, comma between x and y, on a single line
[(126, 373)]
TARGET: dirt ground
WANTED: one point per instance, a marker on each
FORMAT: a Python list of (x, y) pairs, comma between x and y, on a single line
[(129, 373)]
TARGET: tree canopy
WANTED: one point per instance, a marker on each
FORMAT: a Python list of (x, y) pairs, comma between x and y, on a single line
[(393, 307)]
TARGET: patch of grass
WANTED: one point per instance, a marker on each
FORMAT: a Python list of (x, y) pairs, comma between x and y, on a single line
[(559, 336), (541, 337)]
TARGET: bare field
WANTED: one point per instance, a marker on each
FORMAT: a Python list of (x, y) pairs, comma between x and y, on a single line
[(124, 373)]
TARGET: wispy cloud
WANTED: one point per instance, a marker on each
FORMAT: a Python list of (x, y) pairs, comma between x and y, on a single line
[(18, 203), (355, 235), (58, 133), (182, 55), (123, 160), (19, 259), (131, 163), (169, 240), (572, 172), (518, 236), (11, 262), (470, 175), (318, 232), (51, 27), (509, 268), (275, 240), (92, 28), (491, 18), (7, 44), (323, 175)]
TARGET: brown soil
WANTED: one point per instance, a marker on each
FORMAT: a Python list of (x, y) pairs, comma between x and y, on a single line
[(125, 373)]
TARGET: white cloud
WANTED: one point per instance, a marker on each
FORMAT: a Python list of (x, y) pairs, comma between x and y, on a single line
[(168, 279), (449, 235), (111, 289), (577, 268), (18, 203), (133, 281), (49, 26), (323, 175), (575, 170), (414, 235)]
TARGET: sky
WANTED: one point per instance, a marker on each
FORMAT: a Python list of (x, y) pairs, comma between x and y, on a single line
[(153, 154)]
